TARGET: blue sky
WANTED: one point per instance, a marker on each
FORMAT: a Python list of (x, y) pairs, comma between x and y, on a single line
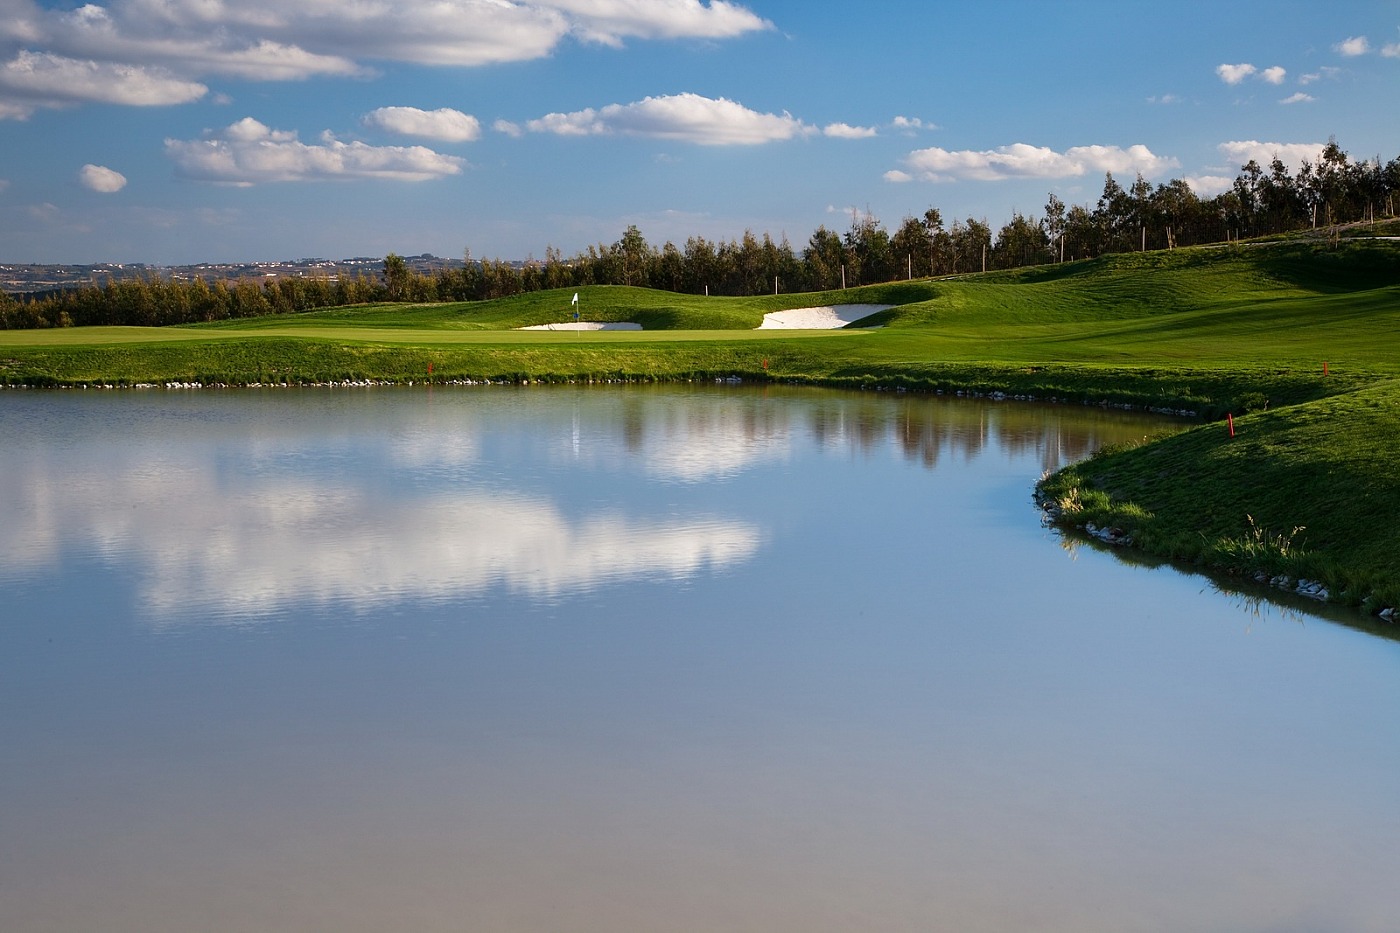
[(179, 131)]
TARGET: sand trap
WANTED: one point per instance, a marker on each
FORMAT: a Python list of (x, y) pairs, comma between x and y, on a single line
[(585, 325), (827, 318)]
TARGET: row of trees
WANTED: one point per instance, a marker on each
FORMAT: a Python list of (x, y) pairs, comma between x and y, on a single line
[(1330, 191)]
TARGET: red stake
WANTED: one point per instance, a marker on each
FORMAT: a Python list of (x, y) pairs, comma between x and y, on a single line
[(1324, 369), (1231, 420)]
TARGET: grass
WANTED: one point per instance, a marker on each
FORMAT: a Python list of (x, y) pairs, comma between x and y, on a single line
[(1308, 486), (1309, 491)]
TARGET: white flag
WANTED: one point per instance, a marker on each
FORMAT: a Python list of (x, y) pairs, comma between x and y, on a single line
[(575, 298)]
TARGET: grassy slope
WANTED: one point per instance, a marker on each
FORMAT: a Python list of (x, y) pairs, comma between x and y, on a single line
[(1309, 491), (1217, 330)]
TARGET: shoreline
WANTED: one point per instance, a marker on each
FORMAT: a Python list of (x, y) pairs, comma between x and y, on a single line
[(1320, 590)]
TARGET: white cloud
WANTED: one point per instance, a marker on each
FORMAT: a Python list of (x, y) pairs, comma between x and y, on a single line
[(1238, 152), (1020, 160), (1208, 186), (911, 125), (445, 124), (846, 131), (611, 21), (1234, 74), (1298, 98), (101, 179), (1165, 99), (1353, 46), (685, 117), (316, 36), (1391, 50), (510, 129), (249, 153), (130, 42), (897, 176), (1325, 73), (32, 80)]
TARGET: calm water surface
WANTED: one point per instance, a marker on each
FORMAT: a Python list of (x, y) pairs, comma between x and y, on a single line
[(652, 660)]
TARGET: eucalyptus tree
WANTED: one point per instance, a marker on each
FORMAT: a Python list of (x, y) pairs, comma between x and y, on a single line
[(632, 257), (1020, 242), (971, 242), (701, 265), (1114, 214), (1279, 198), (869, 256), (913, 243), (1391, 176), (668, 268), (1055, 225), (1084, 235), (1366, 181), (824, 258), (557, 273), (1178, 210), (396, 276), (1331, 174)]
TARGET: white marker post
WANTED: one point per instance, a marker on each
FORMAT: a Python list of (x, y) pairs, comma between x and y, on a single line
[(577, 326)]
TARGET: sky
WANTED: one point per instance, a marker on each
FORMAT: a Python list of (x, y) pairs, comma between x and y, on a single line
[(185, 131)]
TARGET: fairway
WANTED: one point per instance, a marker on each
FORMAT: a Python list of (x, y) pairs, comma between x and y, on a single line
[(397, 336)]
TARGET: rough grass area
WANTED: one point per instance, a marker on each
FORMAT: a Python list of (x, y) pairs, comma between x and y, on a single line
[(1307, 491)]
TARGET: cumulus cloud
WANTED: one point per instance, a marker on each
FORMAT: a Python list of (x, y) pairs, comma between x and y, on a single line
[(185, 41), (248, 153), (846, 131), (1234, 74), (911, 125), (1208, 186), (1353, 46), (1298, 98), (1391, 50), (39, 79), (1020, 160), (897, 176), (611, 21), (1238, 152), (101, 179), (685, 117), (445, 124)]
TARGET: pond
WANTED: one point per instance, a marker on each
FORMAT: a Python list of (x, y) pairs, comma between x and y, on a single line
[(668, 659)]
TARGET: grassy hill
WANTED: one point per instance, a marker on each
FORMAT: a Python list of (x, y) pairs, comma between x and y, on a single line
[(1299, 341)]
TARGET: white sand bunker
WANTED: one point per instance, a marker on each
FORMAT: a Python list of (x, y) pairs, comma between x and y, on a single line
[(585, 325), (828, 318)]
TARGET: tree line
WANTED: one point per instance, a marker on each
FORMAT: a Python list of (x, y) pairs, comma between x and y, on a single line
[(1262, 201)]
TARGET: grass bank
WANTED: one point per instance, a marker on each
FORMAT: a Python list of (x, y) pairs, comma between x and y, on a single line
[(1302, 493), (1299, 341)]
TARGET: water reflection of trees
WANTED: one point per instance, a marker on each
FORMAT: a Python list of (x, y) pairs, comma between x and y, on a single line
[(729, 431), (924, 428)]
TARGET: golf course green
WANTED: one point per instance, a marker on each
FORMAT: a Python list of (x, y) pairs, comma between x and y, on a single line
[(1287, 352)]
